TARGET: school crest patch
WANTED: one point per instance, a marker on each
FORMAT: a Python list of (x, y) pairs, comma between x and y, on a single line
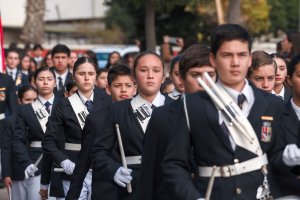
[(266, 129)]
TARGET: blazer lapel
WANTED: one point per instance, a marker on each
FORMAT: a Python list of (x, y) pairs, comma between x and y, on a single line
[(35, 121), (290, 119), (172, 109), (213, 118)]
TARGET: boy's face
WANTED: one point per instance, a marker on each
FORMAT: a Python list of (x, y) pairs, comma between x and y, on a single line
[(191, 84), (264, 77), (232, 61), (60, 62), (13, 60), (121, 88)]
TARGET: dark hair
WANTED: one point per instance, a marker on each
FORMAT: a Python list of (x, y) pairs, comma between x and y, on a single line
[(188, 42), (60, 48), (100, 71), (175, 60), (70, 85), (228, 32), (278, 55), (41, 69), (82, 60), (108, 64), (194, 56), (163, 86), (292, 65), (13, 50), (92, 56), (294, 38), (118, 70), (145, 53), (23, 89), (37, 46), (260, 58), (44, 62)]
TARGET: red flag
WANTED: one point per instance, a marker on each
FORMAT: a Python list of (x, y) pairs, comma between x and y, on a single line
[(2, 63)]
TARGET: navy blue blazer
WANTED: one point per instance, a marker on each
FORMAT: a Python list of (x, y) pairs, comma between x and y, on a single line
[(63, 127), (209, 145)]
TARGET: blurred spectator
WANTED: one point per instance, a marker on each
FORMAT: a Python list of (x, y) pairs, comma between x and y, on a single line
[(112, 59), (38, 54), (101, 78), (290, 44)]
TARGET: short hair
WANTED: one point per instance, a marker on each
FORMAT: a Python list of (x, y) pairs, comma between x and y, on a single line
[(60, 48), (292, 65), (70, 85), (82, 60), (194, 56), (41, 69), (23, 89), (145, 53), (100, 71), (175, 60), (37, 46), (118, 70), (226, 33), (13, 50), (260, 58)]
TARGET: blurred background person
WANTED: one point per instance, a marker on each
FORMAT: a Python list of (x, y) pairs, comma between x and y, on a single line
[(38, 54), (72, 60), (175, 77), (47, 61), (90, 54), (262, 71), (101, 78), (25, 64), (290, 44), (112, 59), (281, 87)]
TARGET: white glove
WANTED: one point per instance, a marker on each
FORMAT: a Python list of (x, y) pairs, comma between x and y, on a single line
[(68, 166), (291, 155), (123, 176), (30, 170)]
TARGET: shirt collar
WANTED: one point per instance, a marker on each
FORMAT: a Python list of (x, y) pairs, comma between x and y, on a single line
[(175, 93), (63, 76), (43, 101), (281, 93), (247, 91), (296, 108), (14, 71), (138, 101), (84, 99)]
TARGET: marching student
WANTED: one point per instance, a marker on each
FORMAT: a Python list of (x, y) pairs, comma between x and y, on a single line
[(194, 61), (13, 61), (175, 77), (132, 116), (262, 71), (121, 86), (101, 78), (12, 173), (60, 57), (289, 122), (207, 135), (29, 132), (281, 87), (64, 131)]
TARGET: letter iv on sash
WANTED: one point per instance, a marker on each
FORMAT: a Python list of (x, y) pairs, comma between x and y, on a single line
[(41, 113), (80, 110)]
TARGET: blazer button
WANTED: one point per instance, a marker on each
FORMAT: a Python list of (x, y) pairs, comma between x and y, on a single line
[(238, 190), (236, 160), (192, 175)]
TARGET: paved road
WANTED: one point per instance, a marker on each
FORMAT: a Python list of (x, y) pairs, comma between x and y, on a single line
[(3, 194)]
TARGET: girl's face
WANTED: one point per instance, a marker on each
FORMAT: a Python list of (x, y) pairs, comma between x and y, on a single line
[(286, 45), (28, 97), (85, 77), (25, 63), (175, 75), (49, 62), (113, 58), (149, 74), (101, 81), (45, 83), (281, 71)]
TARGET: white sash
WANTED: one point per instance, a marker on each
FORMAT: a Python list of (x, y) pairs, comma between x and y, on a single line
[(79, 109), (40, 113)]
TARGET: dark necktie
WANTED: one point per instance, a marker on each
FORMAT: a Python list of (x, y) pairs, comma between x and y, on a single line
[(12, 75), (47, 106), (60, 83), (153, 106), (89, 105), (240, 100)]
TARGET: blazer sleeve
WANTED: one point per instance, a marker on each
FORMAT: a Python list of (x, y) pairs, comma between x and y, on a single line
[(102, 157), (6, 151), (54, 134), (12, 97), (84, 160), (20, 139)]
